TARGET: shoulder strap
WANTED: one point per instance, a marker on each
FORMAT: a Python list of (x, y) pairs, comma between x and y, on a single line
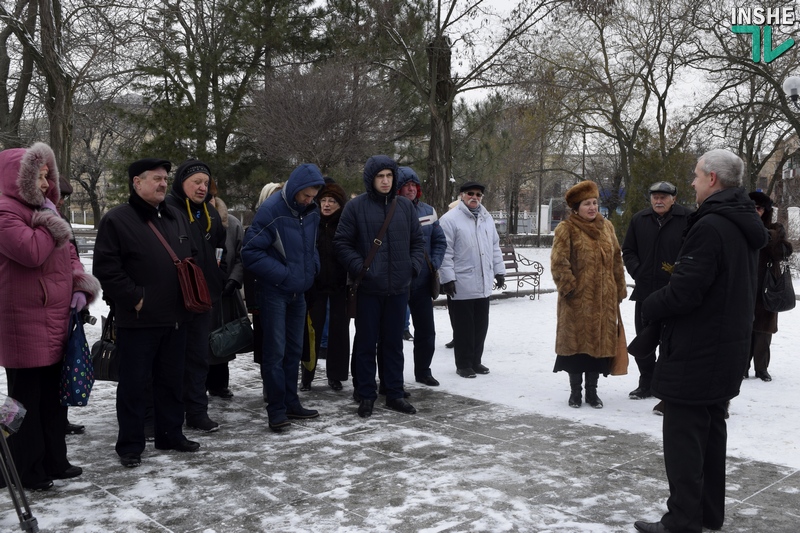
[(163, 241), (376, 243)]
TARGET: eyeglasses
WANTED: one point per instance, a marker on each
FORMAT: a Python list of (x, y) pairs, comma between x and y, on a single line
[(474, 193)]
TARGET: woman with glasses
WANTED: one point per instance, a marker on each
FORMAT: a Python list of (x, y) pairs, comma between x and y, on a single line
[(586, 262), (472, 263)]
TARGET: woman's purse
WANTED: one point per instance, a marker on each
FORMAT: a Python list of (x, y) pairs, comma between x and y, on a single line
[(77, 375), (435, 284), (104, 352), (231, 337), (194, 288), (778, 292)]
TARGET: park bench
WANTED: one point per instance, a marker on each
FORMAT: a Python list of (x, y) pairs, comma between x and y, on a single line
[(522, 271)]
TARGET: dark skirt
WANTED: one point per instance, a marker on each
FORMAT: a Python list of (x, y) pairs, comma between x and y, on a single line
[(582, 362)]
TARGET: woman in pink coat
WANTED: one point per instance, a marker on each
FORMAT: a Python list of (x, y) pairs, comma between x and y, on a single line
[(41, 278)]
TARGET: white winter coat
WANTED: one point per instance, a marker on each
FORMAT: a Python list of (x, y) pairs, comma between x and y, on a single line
[(473, 257)]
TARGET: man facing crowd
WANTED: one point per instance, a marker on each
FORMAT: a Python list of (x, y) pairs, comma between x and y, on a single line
[(383, 291), (140, 281), (707, 316), (649, 251)]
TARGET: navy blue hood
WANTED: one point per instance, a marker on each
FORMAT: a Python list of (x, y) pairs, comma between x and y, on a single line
[(375, 164), (306, 175), (407, 174)]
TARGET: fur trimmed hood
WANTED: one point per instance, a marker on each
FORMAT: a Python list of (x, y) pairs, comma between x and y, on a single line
[(19, 171)]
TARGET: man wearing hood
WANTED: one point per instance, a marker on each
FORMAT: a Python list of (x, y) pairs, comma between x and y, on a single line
[(280, 250), (190, 195), (706, 315), (140, 281), (383, 292), (419, 300)]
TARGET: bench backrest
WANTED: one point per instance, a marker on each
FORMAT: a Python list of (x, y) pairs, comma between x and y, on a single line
[(509, 258)]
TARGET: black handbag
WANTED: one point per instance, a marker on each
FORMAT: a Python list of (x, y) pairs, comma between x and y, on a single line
[(105, 360), (778, 292), (235, 336), (435, 284)]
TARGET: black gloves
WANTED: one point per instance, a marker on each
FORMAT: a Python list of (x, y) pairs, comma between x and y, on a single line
[(449, 288), (500, 280), (231, 286)]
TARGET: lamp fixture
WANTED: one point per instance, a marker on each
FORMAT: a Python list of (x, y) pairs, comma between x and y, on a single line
[(791, 86)]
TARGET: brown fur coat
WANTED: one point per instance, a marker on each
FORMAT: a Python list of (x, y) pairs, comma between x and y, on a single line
[(586, 262)]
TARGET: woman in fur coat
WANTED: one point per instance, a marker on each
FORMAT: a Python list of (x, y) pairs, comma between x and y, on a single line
[(586, 262), (765, 323), (41, 278)]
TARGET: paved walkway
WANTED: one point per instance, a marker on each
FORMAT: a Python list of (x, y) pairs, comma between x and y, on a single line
[(457, 465)]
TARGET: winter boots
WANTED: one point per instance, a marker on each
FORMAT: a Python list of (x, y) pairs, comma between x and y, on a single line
[(575, 380), (591, 390)]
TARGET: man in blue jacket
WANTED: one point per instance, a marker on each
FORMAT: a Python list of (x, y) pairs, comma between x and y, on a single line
[(280, 250), (383, 291), (419, 301), (706, 312)]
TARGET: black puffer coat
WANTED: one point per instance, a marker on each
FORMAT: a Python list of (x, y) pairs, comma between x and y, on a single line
[(332, 276), (401, 255), (707, 307), (650, 248)]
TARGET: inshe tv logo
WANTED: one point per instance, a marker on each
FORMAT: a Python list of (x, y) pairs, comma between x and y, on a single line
[(754, 20)]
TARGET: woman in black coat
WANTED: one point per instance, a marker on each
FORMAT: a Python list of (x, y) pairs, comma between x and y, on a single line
[(765, 323)]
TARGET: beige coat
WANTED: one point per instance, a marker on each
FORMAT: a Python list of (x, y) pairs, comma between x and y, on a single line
[(586, 262)]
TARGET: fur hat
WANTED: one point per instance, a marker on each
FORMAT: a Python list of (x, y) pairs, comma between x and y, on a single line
[(762, 200), (335, 191), (580, 192)]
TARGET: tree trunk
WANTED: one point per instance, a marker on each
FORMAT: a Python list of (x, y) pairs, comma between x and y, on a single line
[(438, 188)]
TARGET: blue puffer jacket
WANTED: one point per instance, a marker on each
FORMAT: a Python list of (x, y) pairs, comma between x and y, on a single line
[(435, 241), (400, 257), (280, 245)]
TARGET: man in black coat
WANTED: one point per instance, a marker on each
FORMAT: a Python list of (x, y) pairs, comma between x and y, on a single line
[(649, 251), (140, 281), (706, 312), (384, 289)]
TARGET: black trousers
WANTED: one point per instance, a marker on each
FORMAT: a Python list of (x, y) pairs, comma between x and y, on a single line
[(337, 360), (695, 440), (195, 399), (379, 317), (470, 320), (759, 350), (647, 365), (39, 448), (150, 355)]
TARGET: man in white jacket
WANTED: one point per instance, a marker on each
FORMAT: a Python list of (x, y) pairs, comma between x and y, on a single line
[(472, 263)]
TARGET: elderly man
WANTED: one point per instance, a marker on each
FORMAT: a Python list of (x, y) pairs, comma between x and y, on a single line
[(649, 251), (280, 250), (707, 316), (472, 263), (384, 288), (141, 282)]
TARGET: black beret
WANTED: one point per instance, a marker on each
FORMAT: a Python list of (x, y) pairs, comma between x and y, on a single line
[(64, 186), (472, 185), (665, 187), (148, 163)]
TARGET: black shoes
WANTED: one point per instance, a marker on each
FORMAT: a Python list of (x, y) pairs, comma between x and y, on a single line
[(299, 412), (480, 369), (39, 486), (130, 460), (305, 386), (466, 372), (640, 393), (184, 445), (204, 424), (592, 399), (428, 380), (277, 427), (335, 384), (659, 408), (407, 336), (450, 344), (69, 473), (74, 429), (575, 399), (764, 376), (365, 408), (401, 405), (225, 394), (650, 527)]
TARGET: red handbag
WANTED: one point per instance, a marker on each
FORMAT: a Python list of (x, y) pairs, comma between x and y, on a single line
[(194, 288)]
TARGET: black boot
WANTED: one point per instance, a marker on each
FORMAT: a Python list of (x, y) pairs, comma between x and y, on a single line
[(591, 390), (575, 380)]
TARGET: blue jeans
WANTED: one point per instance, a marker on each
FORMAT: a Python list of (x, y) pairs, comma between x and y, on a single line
[(283, 317)]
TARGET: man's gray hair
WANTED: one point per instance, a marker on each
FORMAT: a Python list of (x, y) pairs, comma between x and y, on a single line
[(728, 167)]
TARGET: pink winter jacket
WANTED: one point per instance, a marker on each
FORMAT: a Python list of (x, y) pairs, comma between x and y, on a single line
[(39, 269)]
